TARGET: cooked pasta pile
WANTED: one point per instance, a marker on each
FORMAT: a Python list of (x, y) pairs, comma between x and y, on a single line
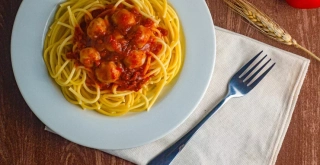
[(113, 56)]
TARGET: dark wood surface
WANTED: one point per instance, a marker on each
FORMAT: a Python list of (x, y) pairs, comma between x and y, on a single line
[(24, 141)]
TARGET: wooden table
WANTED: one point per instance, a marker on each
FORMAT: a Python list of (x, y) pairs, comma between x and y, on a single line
[(24, 141)]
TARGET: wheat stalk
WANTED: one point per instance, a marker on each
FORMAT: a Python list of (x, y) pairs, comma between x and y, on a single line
[(265, 24)]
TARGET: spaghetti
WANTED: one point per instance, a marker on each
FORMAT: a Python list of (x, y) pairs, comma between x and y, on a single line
[(113, 56)]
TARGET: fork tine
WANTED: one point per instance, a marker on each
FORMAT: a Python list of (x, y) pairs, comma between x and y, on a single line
[(262, 76), (257, 72), (254, 67), (247, 65)]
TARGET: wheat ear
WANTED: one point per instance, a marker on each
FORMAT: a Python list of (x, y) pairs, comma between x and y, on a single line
[(265, 24)]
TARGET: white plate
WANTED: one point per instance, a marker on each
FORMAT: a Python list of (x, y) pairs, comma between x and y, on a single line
[(94, 130)]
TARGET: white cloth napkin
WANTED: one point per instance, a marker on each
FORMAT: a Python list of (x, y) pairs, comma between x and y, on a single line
[(247, 130)]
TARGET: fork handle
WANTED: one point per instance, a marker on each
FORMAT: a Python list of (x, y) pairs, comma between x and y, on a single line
[(166, 156)]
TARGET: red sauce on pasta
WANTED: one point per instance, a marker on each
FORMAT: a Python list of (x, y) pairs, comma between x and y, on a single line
[(114, 47)]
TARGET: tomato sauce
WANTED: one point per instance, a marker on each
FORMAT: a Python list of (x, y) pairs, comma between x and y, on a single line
[(118, 42)]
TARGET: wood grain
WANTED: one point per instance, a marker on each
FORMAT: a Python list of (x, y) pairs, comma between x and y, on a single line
[(24, 141)]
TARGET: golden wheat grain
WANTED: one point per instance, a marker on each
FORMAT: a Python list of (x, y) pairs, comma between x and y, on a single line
[(265, 24)]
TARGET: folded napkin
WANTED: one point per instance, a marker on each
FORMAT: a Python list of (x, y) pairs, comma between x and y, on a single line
[(246, 130)]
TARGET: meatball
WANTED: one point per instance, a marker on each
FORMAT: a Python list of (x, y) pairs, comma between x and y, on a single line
[(141, 36), (89, 56), (115, 42), (135, 59), (124, 19), (97, 27), (108, 72)]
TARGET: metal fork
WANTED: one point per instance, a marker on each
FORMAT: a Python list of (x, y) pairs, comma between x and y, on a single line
[(239, 85)]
